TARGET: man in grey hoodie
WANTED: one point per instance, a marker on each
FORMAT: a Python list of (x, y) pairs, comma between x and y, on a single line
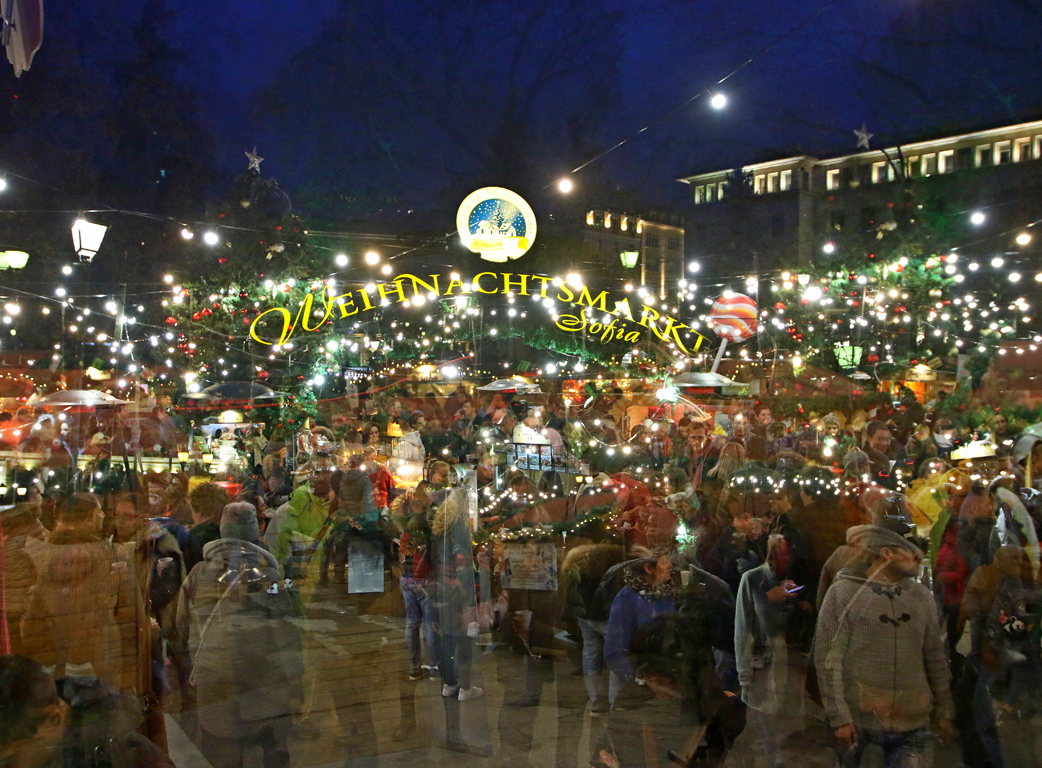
[(881, 662)]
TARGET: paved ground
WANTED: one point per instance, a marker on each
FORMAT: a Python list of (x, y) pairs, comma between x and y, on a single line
[(363, 711)]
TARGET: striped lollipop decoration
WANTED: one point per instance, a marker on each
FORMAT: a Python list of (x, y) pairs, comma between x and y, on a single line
[(733, 317)]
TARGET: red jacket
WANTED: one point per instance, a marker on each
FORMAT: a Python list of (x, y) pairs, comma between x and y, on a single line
[(383, 486), (952, 571)]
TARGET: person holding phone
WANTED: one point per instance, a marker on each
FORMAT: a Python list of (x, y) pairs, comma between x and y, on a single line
[(771, 685)]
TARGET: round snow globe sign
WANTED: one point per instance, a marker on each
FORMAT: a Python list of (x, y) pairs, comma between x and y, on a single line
[(496, 223)]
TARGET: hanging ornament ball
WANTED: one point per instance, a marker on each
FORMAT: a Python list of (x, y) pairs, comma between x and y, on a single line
[(872, 358), (207, 312), (278, 247), (262, 375), (222, 260), (197, 316), (243, 295), (935, 293), (733, 317), (217, 305), (171, 321)]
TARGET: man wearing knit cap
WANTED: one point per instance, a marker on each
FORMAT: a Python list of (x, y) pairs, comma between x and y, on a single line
[(881, 663)]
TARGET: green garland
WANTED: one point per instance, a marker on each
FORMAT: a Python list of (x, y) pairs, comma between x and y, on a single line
[(793, 405)]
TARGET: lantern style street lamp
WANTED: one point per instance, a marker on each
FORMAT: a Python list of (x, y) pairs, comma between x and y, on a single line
[(86, 238), (849, 356), (629, 258)]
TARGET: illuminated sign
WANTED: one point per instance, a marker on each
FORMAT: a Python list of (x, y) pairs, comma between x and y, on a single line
[(620, 321), (496, 223)]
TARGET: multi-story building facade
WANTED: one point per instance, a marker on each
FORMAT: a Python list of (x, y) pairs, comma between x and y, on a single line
[(650, 247), (787, 211)]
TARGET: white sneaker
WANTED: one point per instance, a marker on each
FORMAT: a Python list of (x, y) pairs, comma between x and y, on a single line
[(449, 690), (466, 694)]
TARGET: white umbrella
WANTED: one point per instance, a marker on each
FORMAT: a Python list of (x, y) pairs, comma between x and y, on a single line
[(23, 31), (84, 398), (239, 391), (1027, 439), (517, 384)]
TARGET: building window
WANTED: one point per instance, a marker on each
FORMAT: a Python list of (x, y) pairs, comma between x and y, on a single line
[(1038, 148), (758, 184), (879, 174), (652, 241), (673, 244), (624, 223), (928, 165), (640, 226), (607, 221), (700, 195), (832, 179), (589, 218), (946, 161), (912, 167), (710, 192), (1003, 153), (982, 157), (836, 220), (1021, 150), (785, 181), (720, 190), (772, 183)]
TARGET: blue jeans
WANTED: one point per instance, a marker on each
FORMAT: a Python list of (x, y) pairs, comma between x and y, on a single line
[(901, 749), (418, 610), (593, 633)]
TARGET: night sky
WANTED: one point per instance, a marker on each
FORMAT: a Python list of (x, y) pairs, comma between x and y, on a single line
[(353, 104)]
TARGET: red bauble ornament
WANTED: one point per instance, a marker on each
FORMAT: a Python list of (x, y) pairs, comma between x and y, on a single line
[(262, 375), (207, 312), (171, 321), (196, 316), (243, 295), (872, 358), (222, 260)]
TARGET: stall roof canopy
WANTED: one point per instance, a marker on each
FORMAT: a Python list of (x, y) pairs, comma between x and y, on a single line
[(79, 397), (516, 384), (703, 379)]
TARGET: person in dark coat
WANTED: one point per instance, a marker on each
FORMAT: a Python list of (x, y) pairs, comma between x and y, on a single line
[(207, 501), (582, 571)]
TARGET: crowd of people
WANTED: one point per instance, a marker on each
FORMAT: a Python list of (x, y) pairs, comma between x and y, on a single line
[(813, 588)]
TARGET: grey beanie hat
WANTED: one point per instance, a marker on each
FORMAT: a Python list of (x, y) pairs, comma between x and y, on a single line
[(239, 521), (872, 538)]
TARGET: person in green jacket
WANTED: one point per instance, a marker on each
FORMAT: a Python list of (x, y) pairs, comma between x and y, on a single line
[(301, 520)]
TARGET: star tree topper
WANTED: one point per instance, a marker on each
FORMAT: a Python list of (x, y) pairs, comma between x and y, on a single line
[(255, 160), (863, 137)]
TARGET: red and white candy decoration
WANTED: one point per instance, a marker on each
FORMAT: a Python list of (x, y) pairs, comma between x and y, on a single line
[(733, 317)]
